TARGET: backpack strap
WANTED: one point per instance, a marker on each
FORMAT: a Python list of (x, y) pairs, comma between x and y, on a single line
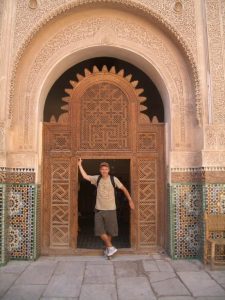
[(114, 185), (113, 181), (99, 178)]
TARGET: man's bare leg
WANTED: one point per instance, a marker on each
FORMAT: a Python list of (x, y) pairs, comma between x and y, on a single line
[(107, 239)]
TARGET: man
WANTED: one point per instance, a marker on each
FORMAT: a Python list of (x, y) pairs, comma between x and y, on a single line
[(106, 225)]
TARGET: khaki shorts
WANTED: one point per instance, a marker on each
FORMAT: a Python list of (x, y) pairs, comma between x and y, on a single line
[(106, 222)]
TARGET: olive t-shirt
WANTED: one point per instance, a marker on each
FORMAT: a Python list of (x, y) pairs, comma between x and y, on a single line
[(105, 199)]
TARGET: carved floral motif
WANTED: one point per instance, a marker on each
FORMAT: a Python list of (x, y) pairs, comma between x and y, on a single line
[(37, 18)]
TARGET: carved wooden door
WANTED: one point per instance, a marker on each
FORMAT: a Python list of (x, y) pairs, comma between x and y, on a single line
[(104, 118)]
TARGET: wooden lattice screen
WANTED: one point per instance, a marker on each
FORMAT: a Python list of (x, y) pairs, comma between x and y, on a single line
[(104, 118)]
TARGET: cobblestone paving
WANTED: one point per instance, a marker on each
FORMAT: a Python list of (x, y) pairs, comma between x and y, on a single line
[(125, 277)]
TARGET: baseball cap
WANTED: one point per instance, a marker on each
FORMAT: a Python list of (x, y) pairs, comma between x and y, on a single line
[(104, 164)]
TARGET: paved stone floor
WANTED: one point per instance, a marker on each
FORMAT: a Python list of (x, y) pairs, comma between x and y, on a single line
[(125, 277)]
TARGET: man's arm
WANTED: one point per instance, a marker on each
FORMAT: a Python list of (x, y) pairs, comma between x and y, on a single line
[(127, 194), (83, 173)]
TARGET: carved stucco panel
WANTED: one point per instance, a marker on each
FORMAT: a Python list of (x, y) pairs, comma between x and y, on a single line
[(177, 17), (2, 144), (1, 17), (123, 31), (183, 159), (22, 160), (179, 13), (215, 11), (215, 137), (213, 158), (2, 137)]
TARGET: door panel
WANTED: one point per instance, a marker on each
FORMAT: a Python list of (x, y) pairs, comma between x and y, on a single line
[(103, 119), (147, 201), (60, 203)]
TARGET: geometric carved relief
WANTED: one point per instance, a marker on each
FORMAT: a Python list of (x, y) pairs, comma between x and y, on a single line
[(104, 118), (61, 141), (183, 29), (214, 203), (214, 198), (147, 198), (3, 225), (147, 142), (186, 217), (60, 201), (215, 137), (147, 190), (147, 170), (215, 12), (21, 209), (103, 109), (57, 138), (17, 175)]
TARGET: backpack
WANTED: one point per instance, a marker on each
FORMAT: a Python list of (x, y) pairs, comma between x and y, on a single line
[(113, 184)]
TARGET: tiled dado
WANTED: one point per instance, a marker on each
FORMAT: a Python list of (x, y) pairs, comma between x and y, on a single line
[(201, 175), (190, 194), (3, 225), (186, 213), (19, 205), (17, 175)]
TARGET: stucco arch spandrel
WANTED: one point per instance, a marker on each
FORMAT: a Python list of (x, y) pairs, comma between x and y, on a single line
[(131, 39), (133, 6)]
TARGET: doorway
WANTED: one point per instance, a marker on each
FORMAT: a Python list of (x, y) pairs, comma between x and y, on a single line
[(104, 115), (86, 204)]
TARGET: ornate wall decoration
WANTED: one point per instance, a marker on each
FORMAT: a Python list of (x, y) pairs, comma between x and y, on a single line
[(192, 192), (37, 222), (105, 109), (104, 119), (214, 203), (3, 226), (28, 20), (178, 6), (186, 215), (61, 142), (215, 137), (147, 196), (17, 175), (147, 142), (213, 158), (185, 175), (2, 137), (185, 159), (33, 4), (56, 9), (201, 175), (22, 209), (2, 175), (102, 113), (214, 198), (60, 203), (89, 28), (214, 175), (215, 11), (18, 203), (1, 18)]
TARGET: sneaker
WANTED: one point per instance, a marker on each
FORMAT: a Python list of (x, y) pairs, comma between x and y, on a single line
[(105, 252), (111, 250)]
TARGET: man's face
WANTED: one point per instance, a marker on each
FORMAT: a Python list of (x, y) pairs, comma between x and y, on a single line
[(104, 171)]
